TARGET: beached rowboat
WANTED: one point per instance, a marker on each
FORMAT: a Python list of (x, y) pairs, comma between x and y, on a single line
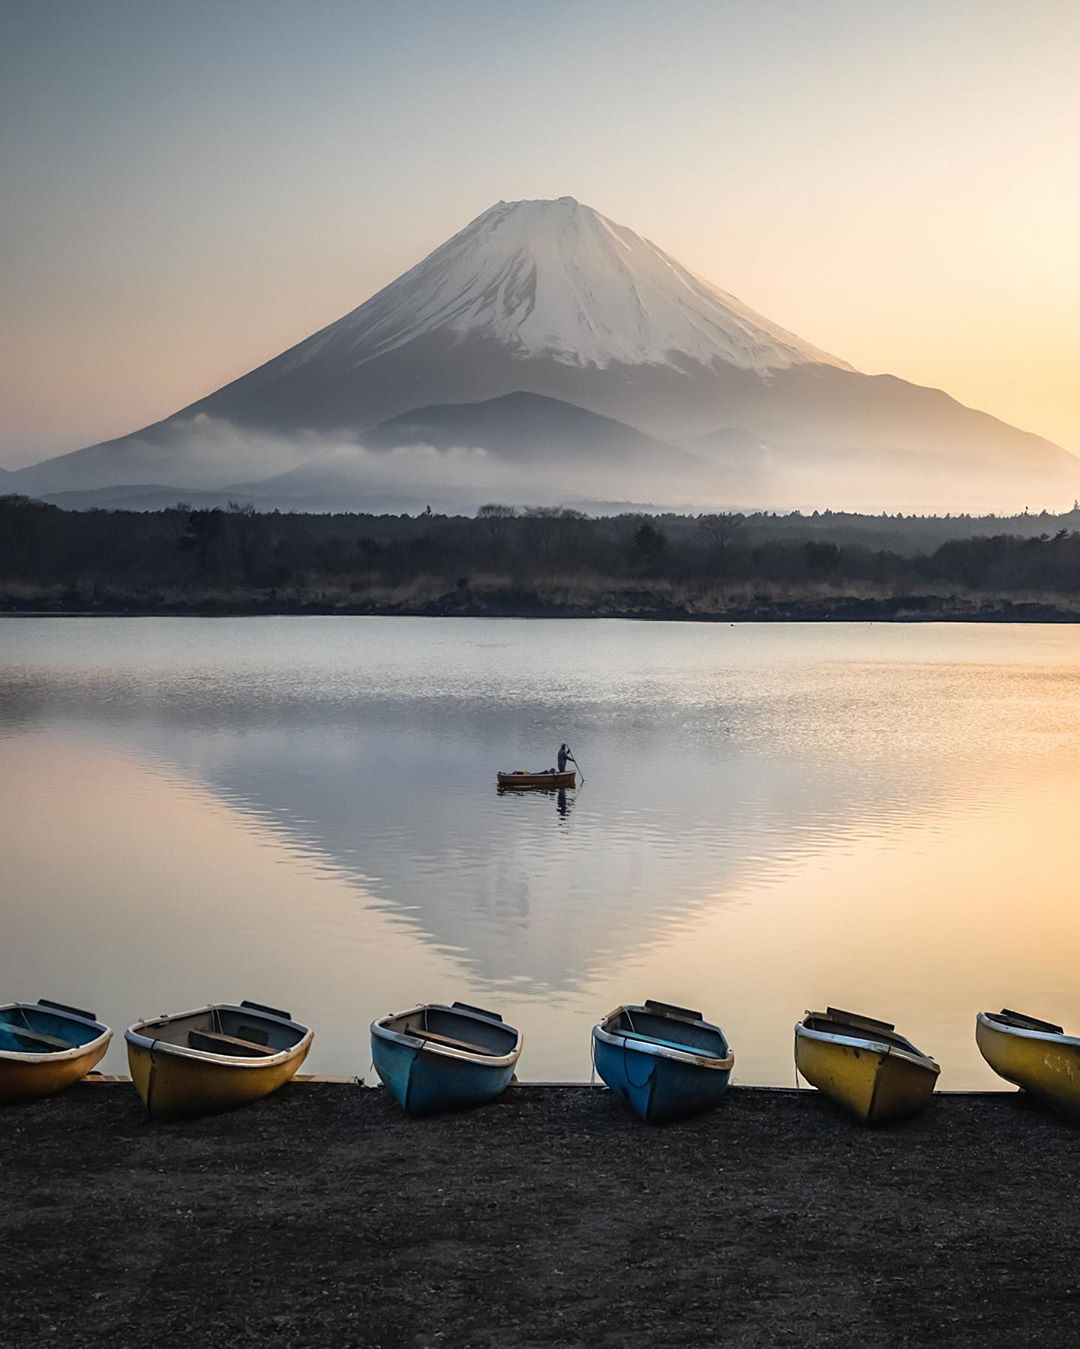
[(437, 1057), (214, 1058), (1035, 1055), (550, 781), (665, 1062), (864, 1065), (46, 1046)]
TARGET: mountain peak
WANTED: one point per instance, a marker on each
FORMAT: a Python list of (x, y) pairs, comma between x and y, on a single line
[(535, 205), (556, 278)]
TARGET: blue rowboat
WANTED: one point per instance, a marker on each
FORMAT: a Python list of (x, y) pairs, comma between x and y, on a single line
[(664, 1061), (435, 1058)]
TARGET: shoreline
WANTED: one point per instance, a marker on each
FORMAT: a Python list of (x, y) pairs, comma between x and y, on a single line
[(842, 612), (323, 1216)]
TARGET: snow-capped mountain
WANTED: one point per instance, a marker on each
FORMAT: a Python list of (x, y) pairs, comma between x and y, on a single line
[(551, 298), (558, 279)]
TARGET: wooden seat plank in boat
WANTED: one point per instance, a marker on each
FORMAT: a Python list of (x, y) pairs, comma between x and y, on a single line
[(667, 1044), (217, 1043), (454, 1044), (39, 1037), (1024, 1022)]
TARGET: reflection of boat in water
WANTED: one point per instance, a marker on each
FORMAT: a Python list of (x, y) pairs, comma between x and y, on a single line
[(434, 1058), (1036, 1056), (46, 1046), (551, 780), (864, 1065), (665, 1062), (214, 1058)]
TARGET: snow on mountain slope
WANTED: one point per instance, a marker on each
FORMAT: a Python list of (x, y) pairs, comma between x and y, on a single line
[(557, 278)]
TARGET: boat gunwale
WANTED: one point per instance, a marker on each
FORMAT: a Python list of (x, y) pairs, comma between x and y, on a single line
[(381, 1031), (100, 1041), (642, 1044), (989, 1020), (882, 1047), (134, 1036)]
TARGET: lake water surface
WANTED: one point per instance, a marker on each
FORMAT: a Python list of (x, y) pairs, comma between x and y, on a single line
[(303, 811)]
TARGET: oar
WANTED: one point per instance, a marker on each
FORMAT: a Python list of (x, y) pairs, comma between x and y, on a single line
[(578, 767)]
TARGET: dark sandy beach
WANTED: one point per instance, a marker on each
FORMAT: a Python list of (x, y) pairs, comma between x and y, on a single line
[(323, 1217)]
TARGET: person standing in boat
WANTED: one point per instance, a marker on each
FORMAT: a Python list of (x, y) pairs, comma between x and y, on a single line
[(564, 756)]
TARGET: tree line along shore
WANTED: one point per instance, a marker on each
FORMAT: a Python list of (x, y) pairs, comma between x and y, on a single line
[(539, 562)]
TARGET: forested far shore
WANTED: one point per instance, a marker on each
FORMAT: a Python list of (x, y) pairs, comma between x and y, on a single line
[(539, 561)]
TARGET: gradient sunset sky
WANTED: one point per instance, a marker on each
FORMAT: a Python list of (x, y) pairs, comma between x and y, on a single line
[(190, 187)]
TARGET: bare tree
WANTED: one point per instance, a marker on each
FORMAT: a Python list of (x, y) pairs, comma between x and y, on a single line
[(495, 518)]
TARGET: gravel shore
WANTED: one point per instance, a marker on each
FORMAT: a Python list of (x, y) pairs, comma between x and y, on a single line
[(322, 1217)]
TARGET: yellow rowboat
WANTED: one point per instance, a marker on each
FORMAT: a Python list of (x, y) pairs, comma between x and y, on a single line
[(214, 1058), (549, 781), (863, 1065), (46, 1046), (1036, 1055)]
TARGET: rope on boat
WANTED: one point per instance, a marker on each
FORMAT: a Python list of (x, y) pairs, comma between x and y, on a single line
[(150, 1080)]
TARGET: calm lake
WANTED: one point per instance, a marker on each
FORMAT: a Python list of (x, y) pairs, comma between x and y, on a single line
[(303, 811)]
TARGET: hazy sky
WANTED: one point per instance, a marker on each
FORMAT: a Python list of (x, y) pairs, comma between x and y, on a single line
[(189, 188)]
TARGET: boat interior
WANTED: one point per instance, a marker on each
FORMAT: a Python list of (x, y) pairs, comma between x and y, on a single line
[(32, 1028), (1023, 1022), (851, 1026), (232, 1032), (674, 1027), (457, 1029)]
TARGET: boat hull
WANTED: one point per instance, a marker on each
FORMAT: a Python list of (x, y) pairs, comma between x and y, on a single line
[(1047, 1066), (659, 1090), (423, 1082), (176, 1082), (549, 782), (875, 1082), (28, 1076), (29, 1081), (427, 1078)]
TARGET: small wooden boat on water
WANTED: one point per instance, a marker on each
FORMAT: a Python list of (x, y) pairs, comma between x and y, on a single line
[(437, 1057), (214, 1058), (1036, 1056), (864, 1065), (45, 1046), (550, 781), (665, 1062)]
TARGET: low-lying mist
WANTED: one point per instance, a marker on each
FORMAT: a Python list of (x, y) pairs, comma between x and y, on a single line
[(320, 471)]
